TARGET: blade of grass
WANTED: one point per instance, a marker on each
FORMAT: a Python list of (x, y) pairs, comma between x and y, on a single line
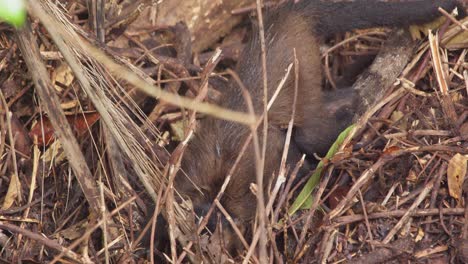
[(304, 199)]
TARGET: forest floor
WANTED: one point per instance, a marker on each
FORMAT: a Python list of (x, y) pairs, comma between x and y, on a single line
[(87, 154)]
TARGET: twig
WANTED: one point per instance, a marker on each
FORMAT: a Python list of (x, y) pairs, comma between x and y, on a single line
[(407, 215), (446, 100), (261, 164), (454, 20), (345, 220)]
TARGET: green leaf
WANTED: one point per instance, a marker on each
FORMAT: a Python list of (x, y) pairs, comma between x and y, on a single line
[(304, 199), (13, 12)]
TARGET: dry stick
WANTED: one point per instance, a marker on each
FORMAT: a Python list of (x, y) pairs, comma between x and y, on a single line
[(459, 63), (445, 100), (96, 19), (274, 252), (381, 74), (51, 103), (364, 210), (281, 175), (328, 73), (430, 251), (104, 223), (261, 163), (345, 220), (153, 224), (425, 132), (285, 192), (441, 219), (451, 18), (327, 244), (170, 202), (90, 230), (411, 209), (435, 190), (465, 76)]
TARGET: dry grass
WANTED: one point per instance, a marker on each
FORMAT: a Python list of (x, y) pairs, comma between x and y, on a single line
[(394, 190)]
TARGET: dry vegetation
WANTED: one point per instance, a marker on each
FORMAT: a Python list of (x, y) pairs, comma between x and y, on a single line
[(87, 153)]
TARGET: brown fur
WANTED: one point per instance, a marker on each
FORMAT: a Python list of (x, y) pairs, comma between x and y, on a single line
[(212, 152)]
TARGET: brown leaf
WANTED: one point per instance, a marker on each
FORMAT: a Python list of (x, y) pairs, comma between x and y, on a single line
[(456, 172), (62, 75), (79, 123), (391, 150), (396, 116), (14, 192)]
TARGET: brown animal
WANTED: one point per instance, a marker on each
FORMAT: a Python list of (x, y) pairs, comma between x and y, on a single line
[(216, 144)]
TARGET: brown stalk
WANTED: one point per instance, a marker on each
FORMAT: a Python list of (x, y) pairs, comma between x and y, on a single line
[(260, 164)]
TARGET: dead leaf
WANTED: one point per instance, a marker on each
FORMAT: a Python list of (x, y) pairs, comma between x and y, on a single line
[(82, 122), (19, 219), (396, 116), (79, 123), (178, 129), (391, 150), (457, 97), (420, 235), (54, 153), (70, 104), (63, 75), (14, 192), (456, 172), (412, 176)]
